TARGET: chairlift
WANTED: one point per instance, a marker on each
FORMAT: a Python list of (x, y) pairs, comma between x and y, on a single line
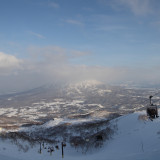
[(152, 110)]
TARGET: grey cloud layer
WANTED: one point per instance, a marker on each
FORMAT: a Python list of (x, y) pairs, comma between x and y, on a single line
[(52, 64)]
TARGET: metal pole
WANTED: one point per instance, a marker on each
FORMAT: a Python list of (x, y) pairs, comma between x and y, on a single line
[(62, 151)]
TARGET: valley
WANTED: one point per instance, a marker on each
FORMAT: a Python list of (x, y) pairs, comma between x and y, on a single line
[(79, 115)]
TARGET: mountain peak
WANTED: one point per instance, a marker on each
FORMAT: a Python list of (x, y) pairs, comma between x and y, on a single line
[(87, 83)]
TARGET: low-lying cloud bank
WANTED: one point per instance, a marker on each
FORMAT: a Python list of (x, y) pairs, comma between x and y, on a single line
[(53, 65), (8, 63)]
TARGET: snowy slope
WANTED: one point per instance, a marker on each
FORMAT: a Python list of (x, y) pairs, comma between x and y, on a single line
[(136, 139)]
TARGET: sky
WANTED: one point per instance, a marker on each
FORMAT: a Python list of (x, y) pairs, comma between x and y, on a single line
[(44, 41)]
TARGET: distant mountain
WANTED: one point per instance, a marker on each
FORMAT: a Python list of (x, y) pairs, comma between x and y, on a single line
[(86, 84), (83, 114)]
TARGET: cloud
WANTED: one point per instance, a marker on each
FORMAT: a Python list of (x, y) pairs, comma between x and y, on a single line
[(79, 53), (36, 35), (54, 5), (50, 53), (52, 64), (8, 63), (74, 22), (112, 28), (138, 7)]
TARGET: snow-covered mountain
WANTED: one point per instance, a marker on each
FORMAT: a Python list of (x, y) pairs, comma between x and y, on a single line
[(136, 138), (84, 88), (85, 84), (86, 99), (82, 114)]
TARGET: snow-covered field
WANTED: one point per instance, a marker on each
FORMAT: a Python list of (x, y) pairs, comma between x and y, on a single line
[(84, 116), (136, 138)]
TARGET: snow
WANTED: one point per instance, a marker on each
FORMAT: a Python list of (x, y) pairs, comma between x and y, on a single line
[(10, 111), (57, 122), (136, 139), (86, 84), (99, 105)]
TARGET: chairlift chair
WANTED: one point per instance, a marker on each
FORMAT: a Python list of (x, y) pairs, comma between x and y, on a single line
[(152, 110)]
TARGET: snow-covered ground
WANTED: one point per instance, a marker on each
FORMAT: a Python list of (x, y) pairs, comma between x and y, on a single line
[(136, 138)]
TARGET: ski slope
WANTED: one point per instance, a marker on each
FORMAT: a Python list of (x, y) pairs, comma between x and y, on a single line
[(135, 139)]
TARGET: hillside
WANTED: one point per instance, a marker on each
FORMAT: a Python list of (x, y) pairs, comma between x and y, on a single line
[(86, 99), (136, 138)]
